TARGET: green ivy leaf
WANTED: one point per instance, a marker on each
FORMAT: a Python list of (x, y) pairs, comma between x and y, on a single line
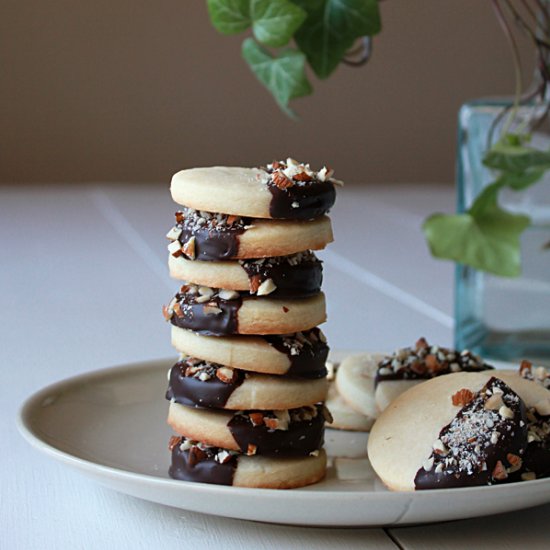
[(516, 159), (229, 16), (284, 76), (275, 21), (331, 28), (486, 237)]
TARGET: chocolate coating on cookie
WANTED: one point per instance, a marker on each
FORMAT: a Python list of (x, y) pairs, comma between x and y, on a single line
[(482, 445), (297, 276), (307, 352), (298, 192), (192, 461), (297, 432), (197, 383), (206, 311), (214, 236), (425, 361)]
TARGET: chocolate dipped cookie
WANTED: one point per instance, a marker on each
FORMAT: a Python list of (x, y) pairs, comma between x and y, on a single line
[(197, 383), (462, 429), (213, 311), (195, 461), (295, 276), (301, 354), (208, 236), (281, 190), (409, 366), (293, 432)]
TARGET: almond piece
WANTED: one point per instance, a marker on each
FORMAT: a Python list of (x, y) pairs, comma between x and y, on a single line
[(166, 313), (226, 374), (494, 402), (179, 216), (174, 441), (421, 344), (174, 233), (225, 294), (175, 249), (499, 472), (462, 397), (302, 176), (432, 363), (267, 287), (254, 282), (525, 368), (251, 450), (195, 455), (189, 248), (257, 418), (515, 462), (281, 181), (232, 219), (271, 423), (177, 309)]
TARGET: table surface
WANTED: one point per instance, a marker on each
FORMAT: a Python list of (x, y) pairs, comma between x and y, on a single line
[(83, 277)]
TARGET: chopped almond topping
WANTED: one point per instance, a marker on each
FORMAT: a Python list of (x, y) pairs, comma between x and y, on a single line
[(272, 423), (166, 313), (226, 375), (231, 219), (256, 418), (177, 309), (251, 450), (515, 462), (195, 455), (499, 471), (525, 366), (302, 176), (281, 181), (421, 343), (174, 440), (255, 281), (189, 248), (462, 397), (432, 363)]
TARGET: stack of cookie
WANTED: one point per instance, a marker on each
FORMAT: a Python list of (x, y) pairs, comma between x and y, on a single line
[(246, 396)]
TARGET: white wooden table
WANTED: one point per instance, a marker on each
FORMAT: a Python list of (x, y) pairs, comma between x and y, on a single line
[(82, 280)]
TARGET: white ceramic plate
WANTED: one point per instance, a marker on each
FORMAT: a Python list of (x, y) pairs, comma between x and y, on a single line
[(110, 425)]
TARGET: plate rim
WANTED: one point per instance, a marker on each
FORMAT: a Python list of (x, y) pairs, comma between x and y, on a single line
[(34, 400)]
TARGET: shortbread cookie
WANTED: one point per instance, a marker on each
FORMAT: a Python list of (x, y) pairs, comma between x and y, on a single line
[(198, 383), (200, 235), (294, 432), (452, 431), (355, 382), (282, 190), (409, 366), (213, 311), (301, 354), (344, 417), (298, 275), (194, 461)]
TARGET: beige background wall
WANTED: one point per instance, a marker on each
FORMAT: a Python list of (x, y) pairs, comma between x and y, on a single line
[(133, 90)]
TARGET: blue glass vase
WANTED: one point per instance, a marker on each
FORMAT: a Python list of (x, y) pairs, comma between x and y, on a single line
[(500, 317)]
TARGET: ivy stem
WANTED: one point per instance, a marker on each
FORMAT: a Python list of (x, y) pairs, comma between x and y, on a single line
[(517, 63)]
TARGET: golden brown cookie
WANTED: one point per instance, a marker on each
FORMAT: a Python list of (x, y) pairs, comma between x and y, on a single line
[(301, 354), (195, 461), (199, 235), (282, 190)]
